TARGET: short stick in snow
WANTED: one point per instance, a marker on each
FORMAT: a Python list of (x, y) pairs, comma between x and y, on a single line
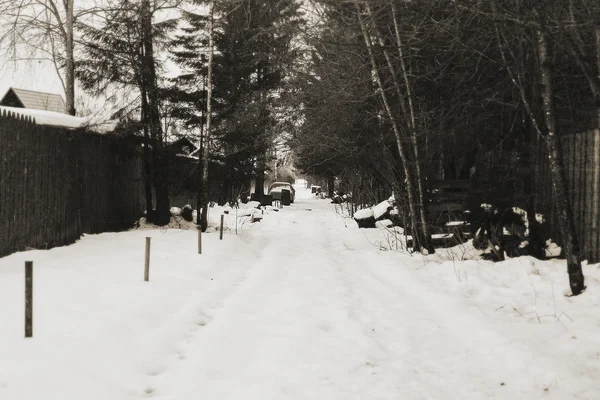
[(147, 261), (28, 299), (221, 230), (199, 239)]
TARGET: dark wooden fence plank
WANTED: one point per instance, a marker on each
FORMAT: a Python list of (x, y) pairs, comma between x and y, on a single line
[(596, 199), (581, 159), (57, 184), (587, 178)]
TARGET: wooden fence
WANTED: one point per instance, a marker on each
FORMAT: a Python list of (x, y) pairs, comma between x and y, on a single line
[(581, 159), (57, 184)]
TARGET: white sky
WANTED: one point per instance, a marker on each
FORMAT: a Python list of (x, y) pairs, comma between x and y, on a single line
[(29, 75), (41, 75), (38, 75)]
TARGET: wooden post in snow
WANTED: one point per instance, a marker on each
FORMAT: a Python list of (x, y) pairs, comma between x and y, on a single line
[(221, 231), (199, 239), (28, 299), (147, 261)]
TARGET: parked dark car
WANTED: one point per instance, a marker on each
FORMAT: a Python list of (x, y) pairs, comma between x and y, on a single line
[(276, 188)]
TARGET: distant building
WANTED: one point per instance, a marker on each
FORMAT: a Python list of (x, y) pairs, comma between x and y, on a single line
[(29, 99), (182, 146)]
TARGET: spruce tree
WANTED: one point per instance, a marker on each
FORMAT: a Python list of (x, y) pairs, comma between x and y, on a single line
[(253, 50), (119, 54)]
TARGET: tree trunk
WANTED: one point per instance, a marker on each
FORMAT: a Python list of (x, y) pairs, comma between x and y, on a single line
[(69, 60), (147, 162), (207, 133), (414, 214), (259, 180), (414, 140), (537, 245), (161, 187), (597, 37), (262, 159), (159, 161), (561, 201), (200, 199)]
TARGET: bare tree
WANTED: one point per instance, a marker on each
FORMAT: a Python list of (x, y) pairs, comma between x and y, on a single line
[(565, 212), (43, 30), (411, 165), (536, 22)]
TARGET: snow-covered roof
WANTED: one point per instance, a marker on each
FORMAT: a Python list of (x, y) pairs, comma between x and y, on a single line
[(31, 99), (46, 117)]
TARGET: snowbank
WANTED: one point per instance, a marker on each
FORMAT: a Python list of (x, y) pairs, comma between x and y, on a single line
[(100, 331)]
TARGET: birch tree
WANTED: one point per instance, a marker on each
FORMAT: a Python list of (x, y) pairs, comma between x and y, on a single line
[(410, 165), (203, 193)]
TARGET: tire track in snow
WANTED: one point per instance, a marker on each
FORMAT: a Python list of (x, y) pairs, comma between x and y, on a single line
[(183, 327), (286, 332)]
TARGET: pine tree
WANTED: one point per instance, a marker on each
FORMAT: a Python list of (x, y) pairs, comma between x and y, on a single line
[(252, 44)]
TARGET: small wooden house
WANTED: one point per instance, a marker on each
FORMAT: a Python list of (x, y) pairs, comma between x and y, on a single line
[(29, 99), (182, 146)]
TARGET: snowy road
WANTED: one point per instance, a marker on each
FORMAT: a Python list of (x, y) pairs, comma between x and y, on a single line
[(319, 319), (300, 306)]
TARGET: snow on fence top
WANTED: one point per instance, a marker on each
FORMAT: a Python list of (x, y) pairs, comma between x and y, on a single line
[(43, 117)]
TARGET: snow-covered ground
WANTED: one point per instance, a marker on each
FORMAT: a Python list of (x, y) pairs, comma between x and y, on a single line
[(303, 305)]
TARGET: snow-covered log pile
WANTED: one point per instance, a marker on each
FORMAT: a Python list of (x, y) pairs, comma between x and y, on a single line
[(367, 218), (187, 213), (382, 210), (384, 224), (340, 198)]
